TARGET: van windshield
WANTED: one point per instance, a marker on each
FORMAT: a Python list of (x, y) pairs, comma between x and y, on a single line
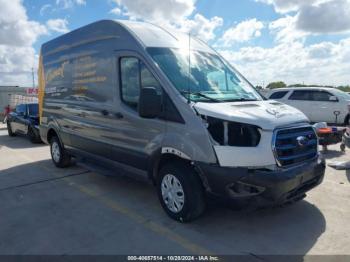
[(210, 79)]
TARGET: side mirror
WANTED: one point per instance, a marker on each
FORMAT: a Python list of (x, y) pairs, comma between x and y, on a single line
[(149, 103), (333, 99)]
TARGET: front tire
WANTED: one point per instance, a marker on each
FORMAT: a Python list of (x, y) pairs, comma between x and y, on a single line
[(59, 155), (9, 129), (180, 192)]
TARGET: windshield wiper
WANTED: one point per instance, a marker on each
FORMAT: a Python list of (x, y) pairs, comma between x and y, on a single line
[(201, 95), (241, 100)]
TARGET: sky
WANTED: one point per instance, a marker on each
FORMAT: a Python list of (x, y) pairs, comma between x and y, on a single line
[(295, 41)]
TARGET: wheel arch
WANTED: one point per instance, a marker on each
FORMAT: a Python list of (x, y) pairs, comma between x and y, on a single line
[(51, 132), (164, 158)]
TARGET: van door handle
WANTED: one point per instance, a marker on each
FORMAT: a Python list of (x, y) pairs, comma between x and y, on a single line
[(119, 115)]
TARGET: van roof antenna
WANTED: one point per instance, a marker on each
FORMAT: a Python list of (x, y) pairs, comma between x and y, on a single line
[(189, 70)]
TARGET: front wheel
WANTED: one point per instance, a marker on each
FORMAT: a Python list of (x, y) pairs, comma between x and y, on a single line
[(9, 129), (180, 192), (59, 155)]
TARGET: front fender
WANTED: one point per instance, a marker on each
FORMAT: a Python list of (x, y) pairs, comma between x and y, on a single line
[(193, 144)]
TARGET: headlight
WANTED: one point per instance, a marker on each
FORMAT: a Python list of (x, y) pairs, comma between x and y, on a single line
[(232, 133)]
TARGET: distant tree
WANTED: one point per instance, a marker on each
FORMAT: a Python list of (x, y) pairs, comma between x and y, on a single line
[(303, 85), (344, 88), (259, 87), (275, 85), (297, 85)]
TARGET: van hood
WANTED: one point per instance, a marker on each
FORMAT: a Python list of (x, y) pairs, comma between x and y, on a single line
[(266, 114)]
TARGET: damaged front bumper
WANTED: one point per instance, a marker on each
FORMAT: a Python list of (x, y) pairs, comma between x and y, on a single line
[(263, 187)]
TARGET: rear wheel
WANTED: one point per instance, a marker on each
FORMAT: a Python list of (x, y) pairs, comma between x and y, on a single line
[(9, 129), (59, 155), (180, 192), (32, 136), (342, 147)]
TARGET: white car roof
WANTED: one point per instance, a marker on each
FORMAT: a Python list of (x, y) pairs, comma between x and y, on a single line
[(302, 88)]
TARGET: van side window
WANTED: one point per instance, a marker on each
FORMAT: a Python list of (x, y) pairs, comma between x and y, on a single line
[(130, 80), (147, 79), (135, 75)]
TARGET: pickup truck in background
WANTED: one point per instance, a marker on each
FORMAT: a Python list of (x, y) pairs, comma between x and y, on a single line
[(24, 121)]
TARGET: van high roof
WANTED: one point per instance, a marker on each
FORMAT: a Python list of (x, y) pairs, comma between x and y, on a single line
[(141, 33)]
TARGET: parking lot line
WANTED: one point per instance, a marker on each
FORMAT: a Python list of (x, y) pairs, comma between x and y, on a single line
[(44, 180), (155, 227)]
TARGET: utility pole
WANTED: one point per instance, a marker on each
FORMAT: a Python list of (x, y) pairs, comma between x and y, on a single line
[(33, 77)]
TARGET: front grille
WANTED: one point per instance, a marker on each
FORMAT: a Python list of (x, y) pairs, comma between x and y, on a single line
[(289, 151)]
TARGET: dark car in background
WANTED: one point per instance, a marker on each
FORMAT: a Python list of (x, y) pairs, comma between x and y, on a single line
[(24, 121)]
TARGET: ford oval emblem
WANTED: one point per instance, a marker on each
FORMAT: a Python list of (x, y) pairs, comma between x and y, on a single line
[(276, 112), (302, 141), (272, 111)]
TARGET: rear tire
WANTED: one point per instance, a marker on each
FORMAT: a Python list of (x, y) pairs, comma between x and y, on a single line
[(342, 147), (9, 129), (180, 192), (32, 137), (59, 155)]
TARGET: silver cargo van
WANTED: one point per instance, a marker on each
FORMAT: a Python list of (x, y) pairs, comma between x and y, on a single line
[(166, 106)]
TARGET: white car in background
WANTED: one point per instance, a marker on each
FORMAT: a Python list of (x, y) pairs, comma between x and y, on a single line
[(317, 103)]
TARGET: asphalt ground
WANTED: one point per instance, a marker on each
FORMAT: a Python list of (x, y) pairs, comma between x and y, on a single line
[(46, 210)]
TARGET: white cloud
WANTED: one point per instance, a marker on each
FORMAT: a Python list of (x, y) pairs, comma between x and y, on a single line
[(323, 63), (116, 11), (328, 17), (170, 14), (17, 35), (316, 16), (322, 50), (58, 25), (66, 4), (155, 10), (44, 8), (15, 28), (242, 32), (81, 2), (286, 6), (285, 30), (16, 65), (201, 27)]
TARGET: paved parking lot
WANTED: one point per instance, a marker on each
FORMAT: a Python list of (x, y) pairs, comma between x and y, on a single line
[(45, 210)]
